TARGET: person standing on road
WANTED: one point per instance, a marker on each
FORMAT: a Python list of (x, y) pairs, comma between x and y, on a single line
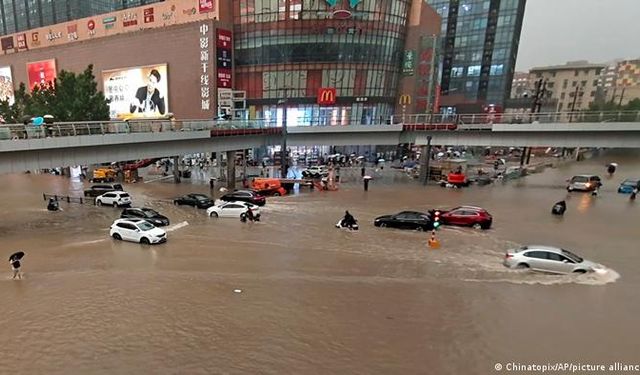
[(635, 192), (15, 266)]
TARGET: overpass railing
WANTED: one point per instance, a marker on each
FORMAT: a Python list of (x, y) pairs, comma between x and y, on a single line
[(442, 122), (518, 118)]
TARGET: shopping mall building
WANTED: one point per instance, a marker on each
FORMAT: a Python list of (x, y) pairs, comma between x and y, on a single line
[(327, 62)]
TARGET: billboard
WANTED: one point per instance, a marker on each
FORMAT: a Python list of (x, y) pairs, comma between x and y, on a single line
[(138, 92), (6, 84), (41, 72)]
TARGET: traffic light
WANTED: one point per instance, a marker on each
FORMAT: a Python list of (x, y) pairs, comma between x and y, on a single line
[(436, 219)]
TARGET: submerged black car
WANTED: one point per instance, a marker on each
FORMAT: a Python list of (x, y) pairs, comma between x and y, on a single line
[(146, 214), (405, 220), (196, 200)]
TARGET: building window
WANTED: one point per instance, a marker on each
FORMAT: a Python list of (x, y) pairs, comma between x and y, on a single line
[(565, 83), (575, 73), (574, 83), (562, 96), (473, 71), (595, 82), (592, 94), (457, 71), (497, 70)]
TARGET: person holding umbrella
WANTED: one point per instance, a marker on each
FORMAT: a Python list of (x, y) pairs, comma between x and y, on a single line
[(14, 260)]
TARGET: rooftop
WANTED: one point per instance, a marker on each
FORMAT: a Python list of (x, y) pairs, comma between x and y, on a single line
[(571, 65)]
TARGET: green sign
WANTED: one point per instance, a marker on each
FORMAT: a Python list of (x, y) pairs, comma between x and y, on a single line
[(409, 63), (332, 3), (354, 3)]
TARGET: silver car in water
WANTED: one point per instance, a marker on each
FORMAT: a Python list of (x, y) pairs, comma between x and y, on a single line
[(548, 259)]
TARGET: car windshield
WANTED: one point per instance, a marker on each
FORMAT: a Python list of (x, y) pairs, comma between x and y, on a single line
[(144, 226), (630, 182), (150, 213), (572, 256), (580, 179), (124, 195)]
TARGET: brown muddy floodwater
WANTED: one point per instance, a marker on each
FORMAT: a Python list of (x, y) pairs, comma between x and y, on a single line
[(315, 299)]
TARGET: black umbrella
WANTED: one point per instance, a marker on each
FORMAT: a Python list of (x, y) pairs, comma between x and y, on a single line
[(16, 256)]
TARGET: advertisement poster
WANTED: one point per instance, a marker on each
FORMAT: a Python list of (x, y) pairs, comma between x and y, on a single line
[(7, 43), (6, 84), (41, 72), (139, 92)]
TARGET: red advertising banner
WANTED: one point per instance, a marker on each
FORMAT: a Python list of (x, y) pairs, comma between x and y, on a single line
[(148, 15), (224, 78), (205, 6), (41, 72), (223, 38)]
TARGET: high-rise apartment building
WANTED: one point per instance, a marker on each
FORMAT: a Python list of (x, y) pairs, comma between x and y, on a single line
[(20, 15), (480, 45)]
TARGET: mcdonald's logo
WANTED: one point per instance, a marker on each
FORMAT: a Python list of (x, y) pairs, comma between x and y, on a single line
[(326, 95), (405, 99)]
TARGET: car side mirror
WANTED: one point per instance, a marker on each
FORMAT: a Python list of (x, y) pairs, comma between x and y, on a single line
[(565, 261), (137, 230)]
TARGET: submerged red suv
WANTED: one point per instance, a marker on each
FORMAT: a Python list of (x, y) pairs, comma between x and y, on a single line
[(467, 216)]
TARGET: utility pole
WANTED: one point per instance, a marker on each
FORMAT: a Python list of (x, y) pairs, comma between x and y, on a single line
[(621, 96), (573, 105)]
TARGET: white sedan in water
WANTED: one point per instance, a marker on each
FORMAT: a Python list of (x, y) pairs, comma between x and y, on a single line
[(231, 209)]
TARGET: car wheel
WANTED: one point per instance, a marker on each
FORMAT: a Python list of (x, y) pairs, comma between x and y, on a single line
[(115, 204), (569, 189), (86, 194), (213, 214), (144, 240), (99, 202), (420, 229), (522, 266), (383, 225), (116, 236), (477, 226), (176, 203), (579, 271), (276, 194)]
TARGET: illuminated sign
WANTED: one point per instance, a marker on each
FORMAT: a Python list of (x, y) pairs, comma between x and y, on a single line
[(41, 73), (137, 92), (405, 100), (326, 95), (205, 6)]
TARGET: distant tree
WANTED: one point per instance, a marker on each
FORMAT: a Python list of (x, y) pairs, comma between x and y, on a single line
[(77, 98), (633, 105)]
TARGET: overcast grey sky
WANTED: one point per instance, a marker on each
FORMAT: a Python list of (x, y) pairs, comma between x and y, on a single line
[(556, 31)]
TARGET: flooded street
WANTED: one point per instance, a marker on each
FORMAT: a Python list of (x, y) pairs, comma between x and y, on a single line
[(315, 299)]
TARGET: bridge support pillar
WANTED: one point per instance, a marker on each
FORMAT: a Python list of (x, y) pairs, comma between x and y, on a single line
[(176, 169), (425, 158), (231, 170)]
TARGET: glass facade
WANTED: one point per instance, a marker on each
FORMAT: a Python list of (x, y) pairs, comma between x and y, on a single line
[(289, 49), (480, 44), (20, 15)]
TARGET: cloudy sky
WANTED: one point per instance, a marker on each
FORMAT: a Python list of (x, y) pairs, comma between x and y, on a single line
[(556, 31)]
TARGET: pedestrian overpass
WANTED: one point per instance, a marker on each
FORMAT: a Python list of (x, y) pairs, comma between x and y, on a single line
[(26, 147)]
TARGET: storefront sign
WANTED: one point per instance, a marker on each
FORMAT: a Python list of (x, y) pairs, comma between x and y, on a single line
[(53, 35), (22, 42), (137, 92), (409, 63), (129, 19), (224, 45), (72, 32), (327, 96), (148, 15), (7, 43), (205, 6), (41, 73), (205, 86), (35, 38)]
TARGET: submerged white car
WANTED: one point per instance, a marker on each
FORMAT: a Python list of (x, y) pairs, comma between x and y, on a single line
[(548, 259), (232, 209), (137, 230), (114, 198)]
